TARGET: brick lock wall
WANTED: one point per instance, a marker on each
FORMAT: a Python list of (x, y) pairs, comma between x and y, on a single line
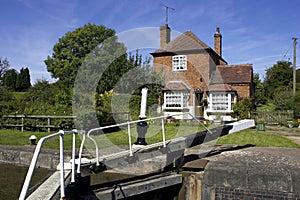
[(226, 193)]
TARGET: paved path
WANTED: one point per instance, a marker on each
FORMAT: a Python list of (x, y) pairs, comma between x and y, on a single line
[(290, 133), (295, 139)]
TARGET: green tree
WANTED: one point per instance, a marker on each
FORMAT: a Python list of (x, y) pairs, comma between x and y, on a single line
[(6, 101), (41, 92), (4, 66), (23, 80), (10, 79), (260, 97), (294, 104), (71, 50), (280, 75)]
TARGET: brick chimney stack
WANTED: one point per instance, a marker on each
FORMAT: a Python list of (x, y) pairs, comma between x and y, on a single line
[(165, 33), (218, 42)]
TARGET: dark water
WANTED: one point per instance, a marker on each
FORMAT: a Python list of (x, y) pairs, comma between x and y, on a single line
[(12, 178)]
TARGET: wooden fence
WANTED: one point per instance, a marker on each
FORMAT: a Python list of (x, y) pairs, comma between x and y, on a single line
[(275, 116), (37, 122)]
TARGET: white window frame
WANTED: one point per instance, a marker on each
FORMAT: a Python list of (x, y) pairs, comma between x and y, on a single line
[(221, 101), (179, 63), (176, 99)]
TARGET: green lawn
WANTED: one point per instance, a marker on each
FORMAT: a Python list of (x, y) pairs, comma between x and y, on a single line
[(154, 134), (19, 95), (259, 139), (18, 138)]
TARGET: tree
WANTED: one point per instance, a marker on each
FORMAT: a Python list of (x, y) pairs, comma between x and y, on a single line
[(294, 104), (260, 97), (10, 79), (4, 66), (6, 101), (41, 92), (23, 80), (71, 50), (280, 75)]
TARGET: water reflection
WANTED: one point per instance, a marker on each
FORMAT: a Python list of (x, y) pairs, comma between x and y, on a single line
[(12, 178)]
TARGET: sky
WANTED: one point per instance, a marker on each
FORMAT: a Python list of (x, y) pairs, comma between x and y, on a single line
[(259, 32)]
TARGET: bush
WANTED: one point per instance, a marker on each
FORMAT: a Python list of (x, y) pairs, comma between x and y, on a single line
[(243, 108)]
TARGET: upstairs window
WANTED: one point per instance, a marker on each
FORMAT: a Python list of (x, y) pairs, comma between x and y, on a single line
[(179, 63)]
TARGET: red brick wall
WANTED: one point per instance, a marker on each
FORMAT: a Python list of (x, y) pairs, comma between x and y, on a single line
[(197, 73), (243, 90)]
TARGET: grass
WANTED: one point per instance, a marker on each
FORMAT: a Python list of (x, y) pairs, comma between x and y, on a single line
[(19, 95), (154, 134), (18, 138), (259, 139)]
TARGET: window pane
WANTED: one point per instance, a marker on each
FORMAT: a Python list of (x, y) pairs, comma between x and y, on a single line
[(179, 63), (220, 101), (176, 99)]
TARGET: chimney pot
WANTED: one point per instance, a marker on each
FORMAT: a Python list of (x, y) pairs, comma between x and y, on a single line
[(218, 42)]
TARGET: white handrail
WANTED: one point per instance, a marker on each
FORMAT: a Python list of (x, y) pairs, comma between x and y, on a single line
[(128, 124), (80, 152), (37, 151)]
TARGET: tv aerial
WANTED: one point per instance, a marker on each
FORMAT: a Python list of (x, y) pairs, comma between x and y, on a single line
[(167, 11)]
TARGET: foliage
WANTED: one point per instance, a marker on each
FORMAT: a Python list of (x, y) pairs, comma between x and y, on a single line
[(281, 97), (71, 50), (280, 75), (10, 78), (23, 80), (260, 98), (242, 108), (17, 81), (45, 98), (42, 92), (294, 104), (6, 99), (4, 66)]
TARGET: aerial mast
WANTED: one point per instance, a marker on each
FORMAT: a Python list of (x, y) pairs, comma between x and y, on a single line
[(294, 67), (167, 12)]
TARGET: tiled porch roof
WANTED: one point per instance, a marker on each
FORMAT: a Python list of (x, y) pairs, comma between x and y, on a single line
[(221, 88), (176, 85)]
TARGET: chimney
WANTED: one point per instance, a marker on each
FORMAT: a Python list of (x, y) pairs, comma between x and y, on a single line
[(164, 35), (218, 42)]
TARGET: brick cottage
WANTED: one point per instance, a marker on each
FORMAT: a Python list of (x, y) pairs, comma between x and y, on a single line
[(197, 79)]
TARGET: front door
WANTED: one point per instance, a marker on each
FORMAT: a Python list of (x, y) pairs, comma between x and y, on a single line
[(198, 104)]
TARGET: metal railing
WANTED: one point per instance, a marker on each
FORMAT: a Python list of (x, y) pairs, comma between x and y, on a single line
[(61, 134), (37, 151), (129, 134)]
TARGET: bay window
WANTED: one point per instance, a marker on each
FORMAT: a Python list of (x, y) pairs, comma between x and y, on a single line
[(176, 99), (221, 101)]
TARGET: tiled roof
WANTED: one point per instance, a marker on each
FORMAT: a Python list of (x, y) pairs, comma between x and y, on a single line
[(232, 74), (176, 85), (186, 41), (220, 88)]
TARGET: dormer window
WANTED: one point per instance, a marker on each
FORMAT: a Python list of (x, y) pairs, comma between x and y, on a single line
[(179, 63)]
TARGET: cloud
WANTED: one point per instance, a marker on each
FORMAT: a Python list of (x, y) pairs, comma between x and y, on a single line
[(56, 10)]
